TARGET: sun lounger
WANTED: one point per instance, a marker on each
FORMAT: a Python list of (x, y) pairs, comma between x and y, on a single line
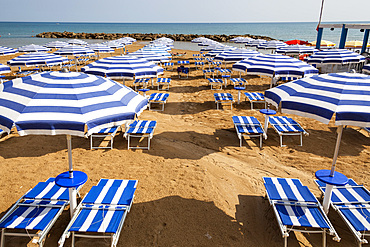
[(163, 82), (141, 82), (35, 212), (248, 127), (168, 65), (140, 129), (297, 209), (102, 212), (103, 133), (208, 71), (286, 126), (352, 202), (215, 82), (199, 65), (238, 81), (158, 98), (254, 97), (224, 98)]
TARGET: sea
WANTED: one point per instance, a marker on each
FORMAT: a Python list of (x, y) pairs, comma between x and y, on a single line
[(16, 34)]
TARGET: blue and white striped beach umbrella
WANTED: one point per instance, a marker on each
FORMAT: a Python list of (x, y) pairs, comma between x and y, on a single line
[(236, 55), (76, 42), (275, 65), (273, 44), (56, 44), (208, 42), (100, 48), (164, 39), (37, 58), (211, 47), (73, 50), (219, 50), (32, 48), (150, 56), (4, 69), (113, 44), (7, 51), (241, 40), (199, 40), (123, 67), (335, 56), (158, 48), (296, 50), (255, 42), (366, 69), (347, 95), (57, 103)]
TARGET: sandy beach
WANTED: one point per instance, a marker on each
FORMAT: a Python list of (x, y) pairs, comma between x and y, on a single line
[(196, 186)]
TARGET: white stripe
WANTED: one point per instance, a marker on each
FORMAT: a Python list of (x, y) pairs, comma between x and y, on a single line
[(106, 221), (292, 216), (20, 218), (119, 192), (45, 190), (87, 222), (311, 219)]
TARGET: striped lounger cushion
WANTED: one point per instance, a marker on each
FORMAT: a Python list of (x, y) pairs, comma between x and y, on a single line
[(254, 96), (158, 97), (247, 125), (285, 124), (238, 80), (222, 96), (359, 216), (141, 127)]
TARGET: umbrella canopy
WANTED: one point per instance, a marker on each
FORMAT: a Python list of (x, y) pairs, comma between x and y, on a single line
[(37, 58), (208, 42), (100, 48), (296, 50), (126, 67), (366, 69), (273, 44), (199, 40), (159, 49), (296, 42), (241, 40), (76, 42), (275, 65), (54, 103), (124, 41), (335, 56), (32, 48), (4, 69), (73, 50), (219, 50), (236, 55), (354, 44), (113, 44), (150, 56), (164, 39), (56, 44), (256, 42), (211, 47), (324, 43), (7, 51), (347, 95)]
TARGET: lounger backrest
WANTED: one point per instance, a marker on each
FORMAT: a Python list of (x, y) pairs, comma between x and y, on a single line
[(159, 96), (108, 194), (359, 216), (223, 96), (350, 195), (283, 181), (255, 96), (289, 193), (245, 120), (142, 126), (48, 191)]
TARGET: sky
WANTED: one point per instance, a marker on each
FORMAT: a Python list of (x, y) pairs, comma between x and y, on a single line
[(183, 11)]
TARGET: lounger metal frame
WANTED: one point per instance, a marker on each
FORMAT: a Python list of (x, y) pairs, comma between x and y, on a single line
[(281, 134), (241, 135), (224, 102), (94, 206), (337, 206), (286, 229), (104, 135)]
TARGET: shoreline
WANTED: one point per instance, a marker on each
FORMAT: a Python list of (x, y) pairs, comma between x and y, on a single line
[(145, 36)]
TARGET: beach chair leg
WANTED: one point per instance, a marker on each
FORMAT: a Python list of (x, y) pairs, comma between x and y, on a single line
[(324, 238), (128, 142), (240, 141), (301, 137), (285, 241), (73, 239), (281, 141), (2, 241), (260, 141), (149, 143)]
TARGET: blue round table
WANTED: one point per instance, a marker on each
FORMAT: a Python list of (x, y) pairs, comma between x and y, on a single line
[(144, 90), (338, 179), (267, 112), (240, 88)]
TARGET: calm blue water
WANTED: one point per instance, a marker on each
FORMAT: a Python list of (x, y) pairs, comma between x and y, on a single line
[(15, 34)]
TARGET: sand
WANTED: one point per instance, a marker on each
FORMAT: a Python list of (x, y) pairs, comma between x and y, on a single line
[(196, 186)]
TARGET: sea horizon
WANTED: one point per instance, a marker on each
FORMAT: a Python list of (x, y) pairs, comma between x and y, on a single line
[(16, 34)]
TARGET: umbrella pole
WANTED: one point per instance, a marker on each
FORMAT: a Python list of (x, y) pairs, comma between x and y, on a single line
[(329, 187), (72, 191)]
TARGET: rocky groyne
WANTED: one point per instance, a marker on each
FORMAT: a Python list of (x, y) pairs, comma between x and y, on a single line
[(142, 36)]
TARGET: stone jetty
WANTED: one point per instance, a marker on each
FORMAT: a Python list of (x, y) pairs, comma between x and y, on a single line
[(143, 36)]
